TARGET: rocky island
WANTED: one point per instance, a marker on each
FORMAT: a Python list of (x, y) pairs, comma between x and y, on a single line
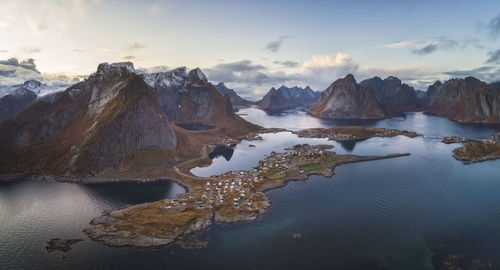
[(227, 198), (352, 133), (478, 151)]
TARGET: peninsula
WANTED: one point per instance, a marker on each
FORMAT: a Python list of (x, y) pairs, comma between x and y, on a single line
[(227, 198)]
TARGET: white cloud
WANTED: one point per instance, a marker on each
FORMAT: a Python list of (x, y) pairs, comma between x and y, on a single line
[(327, 61), (6, 20), (398, 45), (156, 8)]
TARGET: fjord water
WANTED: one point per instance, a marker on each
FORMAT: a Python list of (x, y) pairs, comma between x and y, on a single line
[(386, 214)]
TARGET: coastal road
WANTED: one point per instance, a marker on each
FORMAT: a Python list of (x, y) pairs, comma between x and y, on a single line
[(203, 156)]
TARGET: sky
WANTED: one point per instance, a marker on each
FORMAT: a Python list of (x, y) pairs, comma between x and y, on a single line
[(253, 45)]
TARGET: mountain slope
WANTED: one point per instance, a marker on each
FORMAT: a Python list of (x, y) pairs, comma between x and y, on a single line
[(237, 101), (345, 99), (23, 95), (466, 100), (283, 98)]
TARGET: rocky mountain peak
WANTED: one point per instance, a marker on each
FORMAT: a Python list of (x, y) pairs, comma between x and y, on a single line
[(196, 76)]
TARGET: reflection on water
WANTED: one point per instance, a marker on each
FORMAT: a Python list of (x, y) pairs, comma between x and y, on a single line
[(413, 121), (224, 151)]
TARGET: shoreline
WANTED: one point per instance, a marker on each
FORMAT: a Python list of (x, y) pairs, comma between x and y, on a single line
[(106, 229)]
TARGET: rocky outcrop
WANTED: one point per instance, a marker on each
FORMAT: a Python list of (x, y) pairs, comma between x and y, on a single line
[(237, 101), (283, 98), (345, 99), (466, 100)]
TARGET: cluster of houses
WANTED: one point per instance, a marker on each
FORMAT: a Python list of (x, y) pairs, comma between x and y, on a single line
[(238, 188)]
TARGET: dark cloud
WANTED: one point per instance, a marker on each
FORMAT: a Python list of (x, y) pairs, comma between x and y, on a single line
[(289, 64), (135, 46), (441, 43), (494, 26), (493, 57), (28, 64), (275, 46), (486, 73)]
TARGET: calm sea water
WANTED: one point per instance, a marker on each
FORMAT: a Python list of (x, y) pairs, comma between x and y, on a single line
[(386, 214)]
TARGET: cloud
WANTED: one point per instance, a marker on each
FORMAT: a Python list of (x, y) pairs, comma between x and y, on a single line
[(494, 26), (327, 61), (128, 58), (154, 69), (42, 17), (275, 46), (494, 57), (485, 73), (135, 46), (13, 71), (289, 64), (156, 8), (441, 43), (30, 50), (3, 51), (6, 20), (398, 45), (28, 64)]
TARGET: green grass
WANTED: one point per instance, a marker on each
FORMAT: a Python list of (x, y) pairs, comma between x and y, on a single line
[(274, 174), (313, 167)]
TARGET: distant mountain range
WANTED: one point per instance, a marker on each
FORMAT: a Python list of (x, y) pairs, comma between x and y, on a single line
[(466, 100), (237, 101), (119, 120), (283, 98), (21, 96)]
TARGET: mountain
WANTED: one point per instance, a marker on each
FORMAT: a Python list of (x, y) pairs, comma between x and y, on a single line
[(346, 99), (370, 99), (188, 98), (393, 95), (115, 121), (13, 103), (466, 100), (23, 95), (495, 85), (283, 98), (237, 101)]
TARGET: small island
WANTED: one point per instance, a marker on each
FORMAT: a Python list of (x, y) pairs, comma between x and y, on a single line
[(226, 198), (478, 151), (352, 133)]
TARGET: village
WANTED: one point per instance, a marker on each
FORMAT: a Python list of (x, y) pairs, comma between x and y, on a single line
[(241, 189)]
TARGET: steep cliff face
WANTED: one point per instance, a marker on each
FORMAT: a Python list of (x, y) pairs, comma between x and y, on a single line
[(237, 101), (93, 126), (345, 99), (466, 100), (394, 96), (283, 98)]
